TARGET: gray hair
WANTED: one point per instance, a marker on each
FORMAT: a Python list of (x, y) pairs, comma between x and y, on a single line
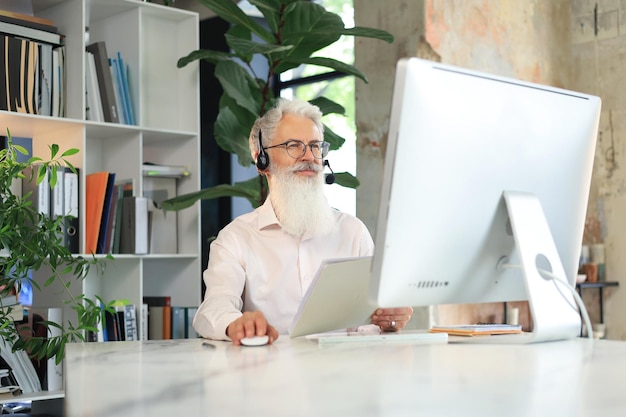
[(269, 121)]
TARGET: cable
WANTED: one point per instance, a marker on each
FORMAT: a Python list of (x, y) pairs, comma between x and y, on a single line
[(579, 300)]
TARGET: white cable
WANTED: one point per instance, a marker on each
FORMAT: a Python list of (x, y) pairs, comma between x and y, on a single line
[(579, 300)]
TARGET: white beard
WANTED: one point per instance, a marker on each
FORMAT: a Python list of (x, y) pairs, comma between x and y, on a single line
[(300, 203)]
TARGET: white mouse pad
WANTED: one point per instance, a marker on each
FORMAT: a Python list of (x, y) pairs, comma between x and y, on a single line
[(338, 298)]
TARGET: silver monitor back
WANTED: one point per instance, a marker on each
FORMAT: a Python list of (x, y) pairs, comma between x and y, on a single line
[(457, 140)]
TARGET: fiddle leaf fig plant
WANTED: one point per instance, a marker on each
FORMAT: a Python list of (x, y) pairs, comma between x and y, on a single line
[(295, 31), (30, 241)]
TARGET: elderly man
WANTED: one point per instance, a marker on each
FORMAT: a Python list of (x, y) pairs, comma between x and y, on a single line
[(262, 263)]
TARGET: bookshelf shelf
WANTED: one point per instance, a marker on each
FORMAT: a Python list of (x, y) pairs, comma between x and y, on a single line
[(151, 38)]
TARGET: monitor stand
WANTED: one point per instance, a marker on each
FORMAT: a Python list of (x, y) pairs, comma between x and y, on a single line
[(552, 306)]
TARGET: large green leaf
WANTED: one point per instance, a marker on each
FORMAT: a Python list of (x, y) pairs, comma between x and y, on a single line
[(270, 10), (310, 28), (208, 55), (345, 179), (230, 12), (328, 106), (232, 129), (249, 189), (245, 47), (239, 85), (369, 33), (334, 139), (292, 62)]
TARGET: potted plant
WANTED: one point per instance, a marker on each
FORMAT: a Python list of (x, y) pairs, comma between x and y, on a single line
[(296, 30), (31, 242)]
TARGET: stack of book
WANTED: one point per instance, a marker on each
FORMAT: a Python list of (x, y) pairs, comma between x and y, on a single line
[(165, 321), (21, 366), (8, 385), (108, 87), (32, 65), (117, 221)]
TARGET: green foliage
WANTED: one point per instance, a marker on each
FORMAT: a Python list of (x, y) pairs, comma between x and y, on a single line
[(33, 244), (297, 29)]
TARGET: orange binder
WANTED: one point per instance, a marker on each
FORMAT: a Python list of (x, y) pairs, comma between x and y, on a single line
[(95, 191)]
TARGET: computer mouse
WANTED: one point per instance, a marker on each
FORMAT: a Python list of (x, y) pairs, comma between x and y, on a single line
[(255, 340)]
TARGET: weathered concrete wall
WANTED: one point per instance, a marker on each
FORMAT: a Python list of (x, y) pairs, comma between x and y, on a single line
[(572, 44), (598, 59)]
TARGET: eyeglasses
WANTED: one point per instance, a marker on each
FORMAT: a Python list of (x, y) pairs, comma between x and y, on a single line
[(296, 148)]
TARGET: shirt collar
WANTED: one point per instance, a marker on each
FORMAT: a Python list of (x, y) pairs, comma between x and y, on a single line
[(267, 217)]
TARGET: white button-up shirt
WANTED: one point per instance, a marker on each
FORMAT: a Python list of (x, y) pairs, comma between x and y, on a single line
[(255, 266)]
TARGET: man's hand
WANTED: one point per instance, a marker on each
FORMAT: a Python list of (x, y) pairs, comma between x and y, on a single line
[(248, 325), (392, 319)]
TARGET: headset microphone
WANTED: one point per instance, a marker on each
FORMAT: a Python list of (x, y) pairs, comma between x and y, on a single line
[(262, 159), (330, 178)]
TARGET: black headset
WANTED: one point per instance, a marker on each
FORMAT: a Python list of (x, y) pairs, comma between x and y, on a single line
[(262, 159)]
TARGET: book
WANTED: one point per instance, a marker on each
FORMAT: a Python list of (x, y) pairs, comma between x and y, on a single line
[(130, 322), (134, 230), (143, 327), (479, 329), (46, 78), (105, 221), (94, 101), (182, 319), (163, 224), (112, 327), (23, 369), (19, 61), (105, 81), (178, 322), (30, 33), (159, 317), (95, 192), (24, 19), (124, 79), (28, 23)]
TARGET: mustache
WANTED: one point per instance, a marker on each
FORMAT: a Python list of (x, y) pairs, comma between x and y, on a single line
[(302, 166)]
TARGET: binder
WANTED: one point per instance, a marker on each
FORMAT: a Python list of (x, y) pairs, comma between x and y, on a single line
[(95, 192), (71, 210), (105, 82), (134, 234), (40, 193), (57, 202), (105, 221)]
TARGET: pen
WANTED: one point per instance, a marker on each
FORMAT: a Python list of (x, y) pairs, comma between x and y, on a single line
[(208, 345)]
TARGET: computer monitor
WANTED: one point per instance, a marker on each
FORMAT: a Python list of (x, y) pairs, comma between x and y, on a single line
[(484, 172)]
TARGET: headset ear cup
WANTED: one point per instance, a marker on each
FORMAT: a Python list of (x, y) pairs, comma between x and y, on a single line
[(262, 161)]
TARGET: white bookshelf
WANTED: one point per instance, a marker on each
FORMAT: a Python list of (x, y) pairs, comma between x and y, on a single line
[(151, 38)]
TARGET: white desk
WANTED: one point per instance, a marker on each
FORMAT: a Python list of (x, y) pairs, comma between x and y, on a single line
[(575, 378)]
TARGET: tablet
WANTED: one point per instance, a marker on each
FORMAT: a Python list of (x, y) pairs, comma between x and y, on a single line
[(338, 298)]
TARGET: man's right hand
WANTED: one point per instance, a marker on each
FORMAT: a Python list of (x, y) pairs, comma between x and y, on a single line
[(248, 325)]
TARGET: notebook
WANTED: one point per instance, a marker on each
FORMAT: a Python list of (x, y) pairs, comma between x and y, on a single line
[(338, 298)]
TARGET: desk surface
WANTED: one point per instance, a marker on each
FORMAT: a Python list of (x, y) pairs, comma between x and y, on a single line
[(299, 378)]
